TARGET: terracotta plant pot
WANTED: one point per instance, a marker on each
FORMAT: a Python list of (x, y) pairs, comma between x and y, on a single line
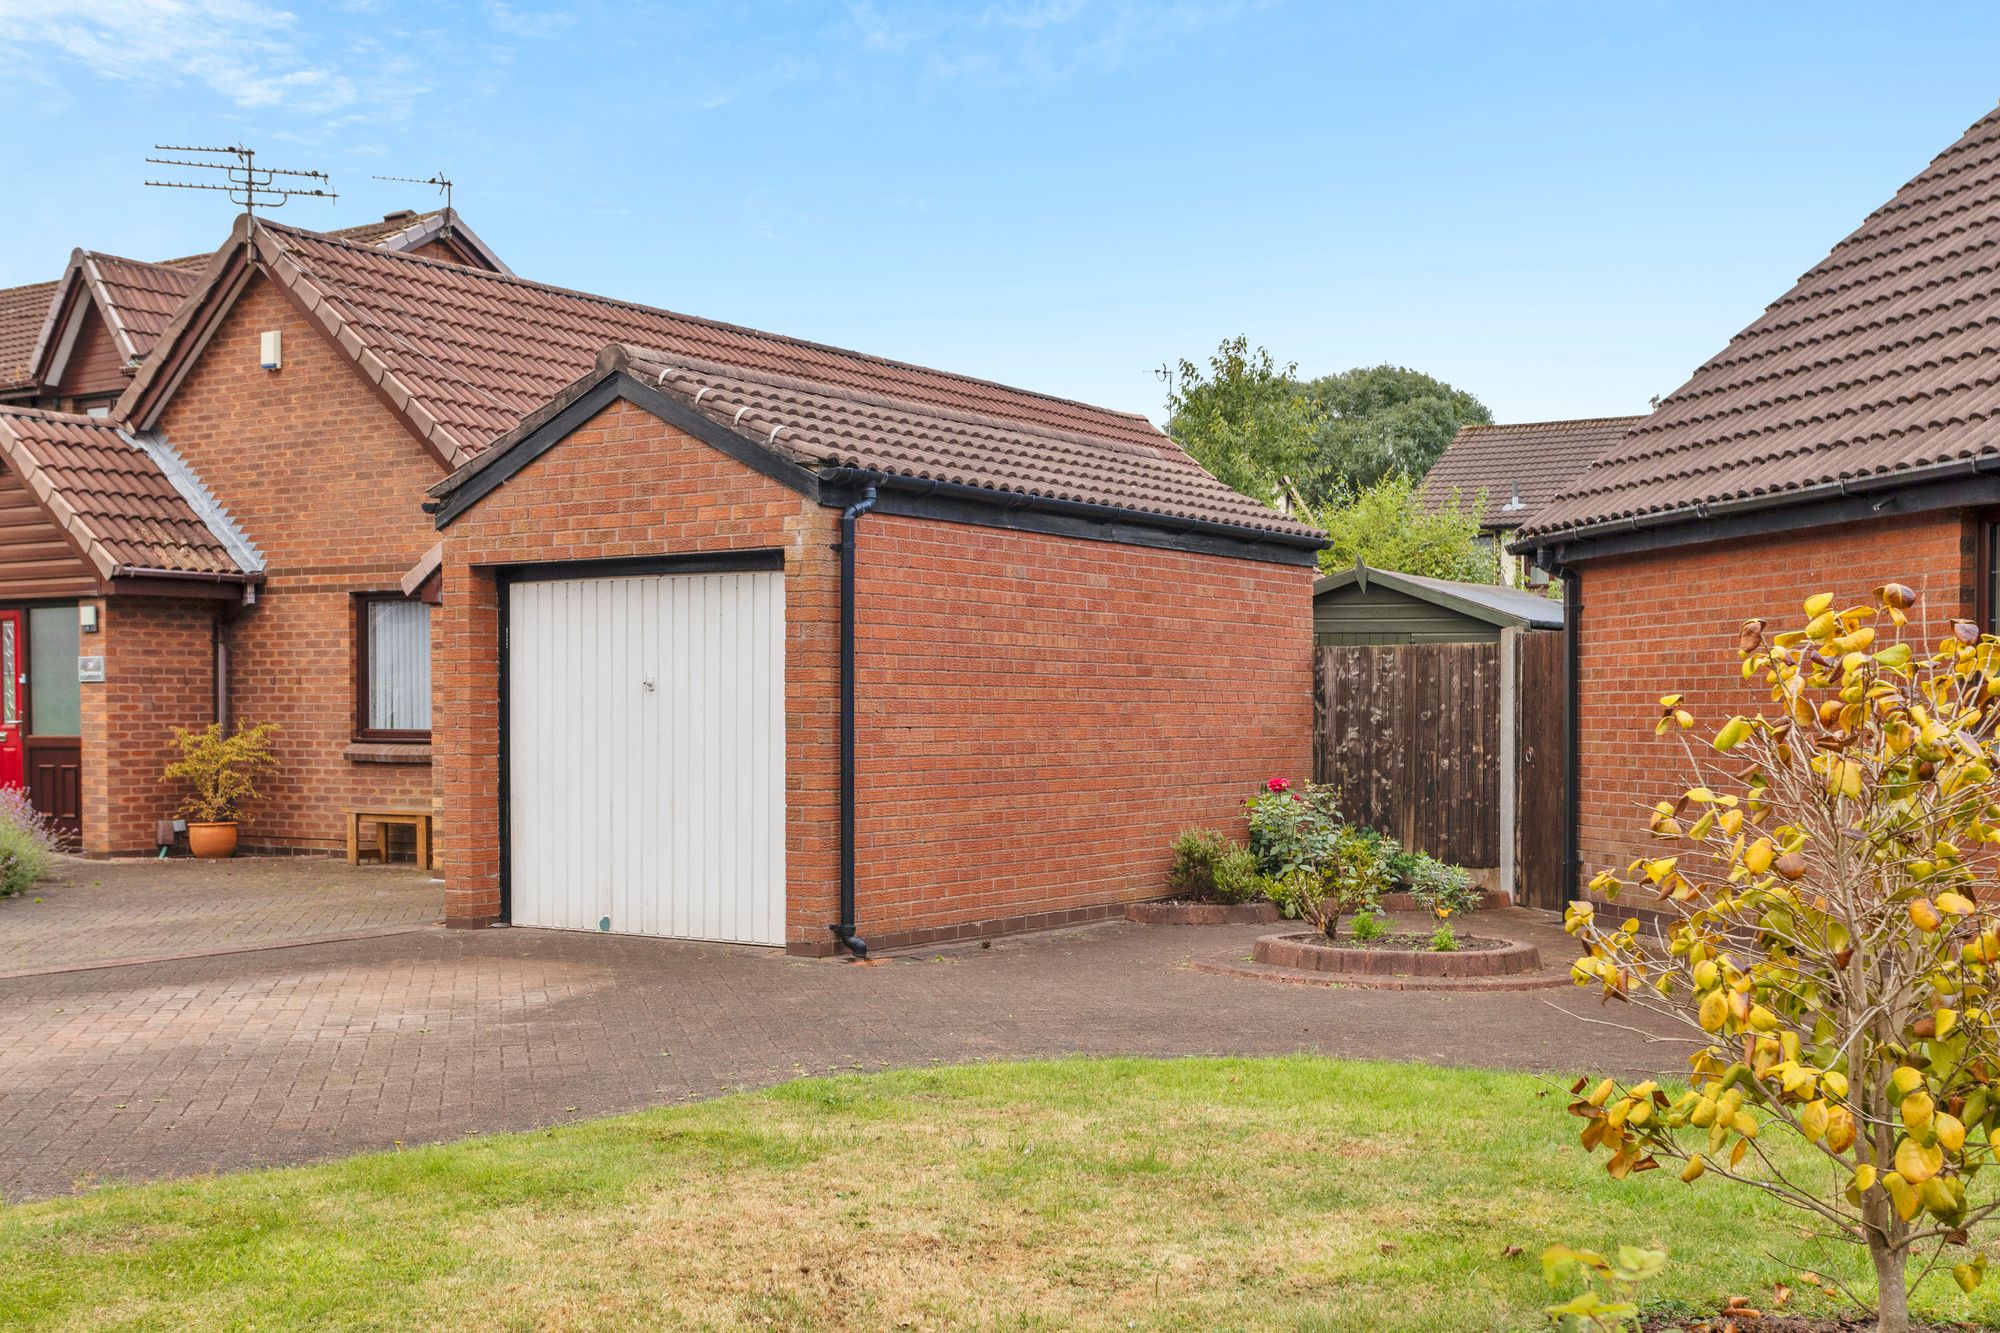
[(212, 840)]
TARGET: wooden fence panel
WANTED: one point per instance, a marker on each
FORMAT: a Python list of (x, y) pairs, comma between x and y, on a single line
[(1544, 735), (1408, 736)]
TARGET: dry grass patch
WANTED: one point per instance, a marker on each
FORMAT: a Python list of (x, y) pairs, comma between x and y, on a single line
[(1297, 1193)]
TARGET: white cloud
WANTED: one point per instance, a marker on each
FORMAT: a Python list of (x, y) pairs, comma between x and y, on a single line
[(246, 51)]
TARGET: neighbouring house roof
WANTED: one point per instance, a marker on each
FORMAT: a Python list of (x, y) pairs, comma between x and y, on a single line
[(464, 356), (134, 298), (122, 510), (1519, 467), (1878, 369), (1505, 607), (23, 311), (137, 298)]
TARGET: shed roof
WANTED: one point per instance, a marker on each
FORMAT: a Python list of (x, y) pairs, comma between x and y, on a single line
[(1880, 365), (1506, 607), (1519, 466), (124, 511)]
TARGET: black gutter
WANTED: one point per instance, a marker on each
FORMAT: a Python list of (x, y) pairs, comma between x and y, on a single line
[(1308, 544), (1913, 490), (1572, 734), (850, 522)]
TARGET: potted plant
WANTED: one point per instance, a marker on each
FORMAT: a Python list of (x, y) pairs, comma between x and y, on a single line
[(222, 772)]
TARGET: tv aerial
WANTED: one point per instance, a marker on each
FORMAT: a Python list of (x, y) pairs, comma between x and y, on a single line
[(248, 185)]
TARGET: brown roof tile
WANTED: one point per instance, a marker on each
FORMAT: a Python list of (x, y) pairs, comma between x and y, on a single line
[(1882, 360), (138, 298), (23, 311), (817, 426), (1521, 466), (476, 352), (110, 495)]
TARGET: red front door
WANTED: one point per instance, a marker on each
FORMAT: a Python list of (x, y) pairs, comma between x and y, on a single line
[(11, 768)]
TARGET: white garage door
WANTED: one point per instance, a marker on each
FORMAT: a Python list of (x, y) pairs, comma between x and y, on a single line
[(646, 749)]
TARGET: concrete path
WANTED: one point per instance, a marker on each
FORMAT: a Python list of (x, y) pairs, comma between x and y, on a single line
[(302, 1053)]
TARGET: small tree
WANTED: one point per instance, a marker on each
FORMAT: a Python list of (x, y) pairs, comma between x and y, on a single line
[(221, 771), (1389, 526), (1826, 943)]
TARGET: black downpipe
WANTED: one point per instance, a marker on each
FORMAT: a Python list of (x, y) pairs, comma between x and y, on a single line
[(843, 929), (1573, 734)]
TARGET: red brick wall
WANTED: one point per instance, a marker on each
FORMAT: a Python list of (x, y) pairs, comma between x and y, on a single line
[(1038, 716), (625, 484), (1667, 622), (158, 672), (329, 485)]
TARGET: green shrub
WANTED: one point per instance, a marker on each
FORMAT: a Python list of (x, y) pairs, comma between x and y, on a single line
[(28, 843), (1367, 926), (1238, 878), (1197, 853), (220, 770), (1442, 890)]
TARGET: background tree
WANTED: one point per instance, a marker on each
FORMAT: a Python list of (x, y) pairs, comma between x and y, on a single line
[(1831, 944), (1254, 424), (1388, 526), (1244, 419), (1381, 421)]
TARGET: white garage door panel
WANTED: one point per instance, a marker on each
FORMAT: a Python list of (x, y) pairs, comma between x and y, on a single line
[(646, 742)]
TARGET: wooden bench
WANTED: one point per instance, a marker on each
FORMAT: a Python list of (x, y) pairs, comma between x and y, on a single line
[(418, 821)]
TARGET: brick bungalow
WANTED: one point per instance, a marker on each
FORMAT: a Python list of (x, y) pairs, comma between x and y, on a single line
[(1069, 641), (1846, 438), (224, 531)]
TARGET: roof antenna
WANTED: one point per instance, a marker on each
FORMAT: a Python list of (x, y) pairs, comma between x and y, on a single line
[(443, 184), (247, 184)]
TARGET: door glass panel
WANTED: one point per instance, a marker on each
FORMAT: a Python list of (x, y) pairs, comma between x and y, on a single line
[(10, 672), (55, 703)]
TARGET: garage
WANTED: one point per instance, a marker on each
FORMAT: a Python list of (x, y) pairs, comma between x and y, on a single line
[(1002, 649), (645, 762)]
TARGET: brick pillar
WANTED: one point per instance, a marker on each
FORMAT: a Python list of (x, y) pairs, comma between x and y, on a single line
[(465, 740)]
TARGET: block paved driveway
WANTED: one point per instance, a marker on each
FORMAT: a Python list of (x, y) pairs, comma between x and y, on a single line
[(315, 1050)]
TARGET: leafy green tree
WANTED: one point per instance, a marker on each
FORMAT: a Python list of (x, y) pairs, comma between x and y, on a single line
[(1256, 426), (1244, 419), (1381, 421), (1389, 527)]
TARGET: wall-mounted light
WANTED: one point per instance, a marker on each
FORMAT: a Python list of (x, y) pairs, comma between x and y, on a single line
[(271, 350), (86, 618)]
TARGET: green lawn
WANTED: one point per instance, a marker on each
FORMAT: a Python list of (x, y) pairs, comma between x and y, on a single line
[(1198, 1194)]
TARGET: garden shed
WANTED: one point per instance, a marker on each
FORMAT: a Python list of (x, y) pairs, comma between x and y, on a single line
[(1439, 720), (1377, 606)]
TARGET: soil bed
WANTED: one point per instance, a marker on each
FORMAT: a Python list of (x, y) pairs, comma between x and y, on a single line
[(1476, 956), (1412, 942), (1182, 912), (1835, 1323)]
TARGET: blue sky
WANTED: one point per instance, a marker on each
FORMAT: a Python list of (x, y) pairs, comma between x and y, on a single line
[(1562, 208)]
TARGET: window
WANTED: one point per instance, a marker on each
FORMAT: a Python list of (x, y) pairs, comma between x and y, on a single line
[(392, 655), (55, 699)]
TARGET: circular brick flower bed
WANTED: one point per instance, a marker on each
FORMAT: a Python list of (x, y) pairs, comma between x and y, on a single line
[(1308, 951), (1201, 914)]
